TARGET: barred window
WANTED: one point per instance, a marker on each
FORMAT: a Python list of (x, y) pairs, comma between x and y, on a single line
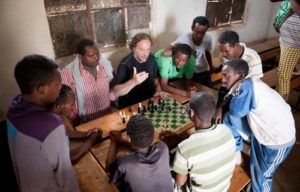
[(225, 12), (110, 23)]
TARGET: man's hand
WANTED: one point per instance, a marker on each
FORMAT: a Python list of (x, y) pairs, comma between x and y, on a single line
[(139, 78), (218, 115), (94, 136), (191, 92)]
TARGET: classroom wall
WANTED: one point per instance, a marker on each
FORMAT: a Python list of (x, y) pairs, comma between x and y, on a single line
[(24, 30)]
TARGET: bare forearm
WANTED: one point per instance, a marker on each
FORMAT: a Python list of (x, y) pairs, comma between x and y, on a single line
[(112, 155), (124, 88), (177, 91), (157, 86), (79, 151), (76, 134), (188, 84)]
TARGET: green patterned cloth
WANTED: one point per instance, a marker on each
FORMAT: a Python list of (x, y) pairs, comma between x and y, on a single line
[(284, 11)]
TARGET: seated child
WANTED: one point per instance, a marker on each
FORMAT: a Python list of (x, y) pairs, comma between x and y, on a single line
[(63, 106), (181, 63), (260, 114), (206, 157), (147, 168)]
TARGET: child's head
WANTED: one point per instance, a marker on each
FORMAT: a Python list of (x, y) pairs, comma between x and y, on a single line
[(233, 71), (181, 54), (65, 101), (38, 76), (202, 108), (140, 131)]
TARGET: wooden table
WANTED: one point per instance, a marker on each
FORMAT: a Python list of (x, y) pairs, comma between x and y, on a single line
[(90, 169)]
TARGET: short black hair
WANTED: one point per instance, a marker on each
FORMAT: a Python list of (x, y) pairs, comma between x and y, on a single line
[(201, 20), (141, 131), (33, 71), (64, 92), (238, 66), (139, 37), (230, 37), (183, 48), (80, 49), (204, 105)]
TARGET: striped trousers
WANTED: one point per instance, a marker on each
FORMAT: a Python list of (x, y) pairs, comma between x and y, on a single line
[(289, 57)]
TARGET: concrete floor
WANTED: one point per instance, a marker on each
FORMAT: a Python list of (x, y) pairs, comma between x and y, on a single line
[(287, 177)]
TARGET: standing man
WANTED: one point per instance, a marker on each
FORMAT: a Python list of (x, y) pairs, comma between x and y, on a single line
[(137, 73), (231, 48), (258, 113), (201, 43), (89, 77)]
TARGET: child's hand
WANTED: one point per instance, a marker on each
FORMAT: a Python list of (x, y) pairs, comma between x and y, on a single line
[(115, 136), (170, 138), (99, 130)]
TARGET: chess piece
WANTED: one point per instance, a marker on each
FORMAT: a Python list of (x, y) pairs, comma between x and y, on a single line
[(174, 102), (159, 101), (123, 119), (129, 109)]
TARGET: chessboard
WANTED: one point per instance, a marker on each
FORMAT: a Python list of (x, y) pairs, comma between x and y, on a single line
[(165, 114)]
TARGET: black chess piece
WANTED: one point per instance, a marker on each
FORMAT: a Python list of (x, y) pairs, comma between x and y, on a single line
[(152, 109), (129, 109), (170, 108), (139, 110), (155, 107), (159, 101), (174, 102), (123, 119)]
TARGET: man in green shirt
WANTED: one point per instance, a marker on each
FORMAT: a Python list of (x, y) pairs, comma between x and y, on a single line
[(180, 64)]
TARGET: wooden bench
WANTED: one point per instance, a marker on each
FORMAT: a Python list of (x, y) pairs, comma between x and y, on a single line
[(241, 175), (91, 175)]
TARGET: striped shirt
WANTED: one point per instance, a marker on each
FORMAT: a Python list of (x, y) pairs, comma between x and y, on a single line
[(253, 60), (97, 95), (290, 31), (208, 157)]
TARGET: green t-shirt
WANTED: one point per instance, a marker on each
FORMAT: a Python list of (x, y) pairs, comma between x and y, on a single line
[(167, 68)]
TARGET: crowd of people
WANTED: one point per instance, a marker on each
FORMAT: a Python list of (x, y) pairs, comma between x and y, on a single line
[(41, 120)]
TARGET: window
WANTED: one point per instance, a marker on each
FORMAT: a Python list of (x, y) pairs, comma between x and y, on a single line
[(108, 22), (225, 12)]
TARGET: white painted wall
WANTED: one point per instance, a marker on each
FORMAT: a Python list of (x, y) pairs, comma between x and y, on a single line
[(24, 30)]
